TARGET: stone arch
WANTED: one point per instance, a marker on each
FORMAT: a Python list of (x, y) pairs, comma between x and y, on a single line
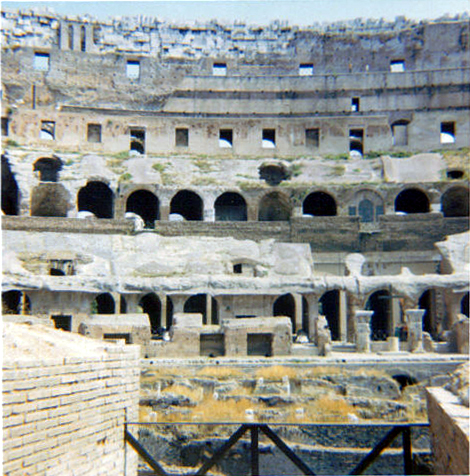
[(320, 204), (328, 306), (15, 302), (464, 304), (152, 306), (146, 205), (198, 304), (274, 206), (10, 190), (230, 206), (50, 200), (103, 304), (412, 200), (380, 302), (368, 204), (427, 301), (96, 197), (188, 204), (48, 168), (285, 306), (455, 201)]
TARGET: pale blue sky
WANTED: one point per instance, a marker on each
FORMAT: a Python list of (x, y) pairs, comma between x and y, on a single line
[(297, 12)]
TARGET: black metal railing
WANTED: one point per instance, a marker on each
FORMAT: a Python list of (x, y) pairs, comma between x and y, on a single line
[(254, 430)]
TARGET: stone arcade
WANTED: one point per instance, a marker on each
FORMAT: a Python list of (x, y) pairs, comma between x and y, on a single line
[(217, 189)]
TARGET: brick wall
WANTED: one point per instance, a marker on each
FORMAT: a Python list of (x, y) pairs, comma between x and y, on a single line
[(449, 428), (64, 416)]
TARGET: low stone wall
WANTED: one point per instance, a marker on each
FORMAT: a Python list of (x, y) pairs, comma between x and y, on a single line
[(449, 428), (65, 401)]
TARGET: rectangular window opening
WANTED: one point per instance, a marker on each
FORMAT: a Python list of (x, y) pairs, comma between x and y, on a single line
[(306, 69), (63, 322), (355, 104), (312, 138), (94, 133), (226, 138), (400, 134), (219, 69), (47, 130), (259, 344), (238, 268), (447, 132), (397, 66), (137, 141), (41, 61), (356, 143), (5, 126), (182, 137), (133, 69), (269, 138)]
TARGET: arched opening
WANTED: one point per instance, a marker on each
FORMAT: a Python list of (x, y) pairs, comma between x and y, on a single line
[(197, 304), (404, 380), (122, 305), (454, 202), (412, 200), (427, 301), (319, 204), (230, 206), (273, 174), (152, 306), (96, 198), (48, 168), (305, 316), (49, 200), (464, 303), (328, 306), (274, 207), (15, 302), (380, 303), (285, 306), (145, 204), (10, 195), (366, 211), (187, 204), (169, 312), (103, 304)]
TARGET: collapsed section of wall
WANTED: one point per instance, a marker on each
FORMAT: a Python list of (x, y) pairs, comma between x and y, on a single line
[(65, 401)]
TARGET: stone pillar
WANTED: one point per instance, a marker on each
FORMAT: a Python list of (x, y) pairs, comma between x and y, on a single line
[(395, 316), (414, 318), (133, 303), (298, 312), (178, 303), (297, 211), (163, 304), (343, 312), (312, 300), (353, 305), (208, 310), (209, 214), (362, 323)]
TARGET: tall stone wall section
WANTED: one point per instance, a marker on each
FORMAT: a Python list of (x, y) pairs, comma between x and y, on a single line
[(66, 416)]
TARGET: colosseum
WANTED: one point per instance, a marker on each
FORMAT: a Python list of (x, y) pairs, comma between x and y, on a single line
[(238, 190)]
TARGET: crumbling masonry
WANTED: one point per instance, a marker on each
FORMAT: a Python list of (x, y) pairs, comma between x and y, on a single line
[(185, 186)]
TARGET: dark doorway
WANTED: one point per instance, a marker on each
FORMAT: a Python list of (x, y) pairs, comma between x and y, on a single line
[(152, 306), (412, 200), (328, 306), (96, 198), (319, 204), (305, 316), (455, 201), (169, 312), (197, 304), (10, 195), (15, 302), (63, 322), (285, 306), (187, 204), (464, 304), (427, 301), (122, 305), (380, 303), (230, 207), (274, 207), (48, 169), (104, 304), (146, 205)]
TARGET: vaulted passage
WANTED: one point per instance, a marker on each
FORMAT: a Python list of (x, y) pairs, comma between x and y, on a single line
[(146, 205), (15, 302), (412, 200), (319, 204), (103, 304), (380, 303), (96, 198), (454, 202), (187, 204), (198, 304), (285, 306), (274, 207), (329, 307), (10, 194), (230, 207), (48, 168), (50, 200), (152, 306), (427, 301)]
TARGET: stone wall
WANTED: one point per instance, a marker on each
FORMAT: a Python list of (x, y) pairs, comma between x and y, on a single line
[(449, 427), (65, 401)]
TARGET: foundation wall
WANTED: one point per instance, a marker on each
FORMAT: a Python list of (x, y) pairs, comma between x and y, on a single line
[(66, 416)]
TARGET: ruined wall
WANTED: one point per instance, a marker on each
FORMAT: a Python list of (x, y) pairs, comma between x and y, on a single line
[(64, 412)]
